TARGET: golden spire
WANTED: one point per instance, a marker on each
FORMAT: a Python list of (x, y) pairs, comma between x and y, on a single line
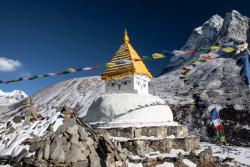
[(125, 52), (125, 37)]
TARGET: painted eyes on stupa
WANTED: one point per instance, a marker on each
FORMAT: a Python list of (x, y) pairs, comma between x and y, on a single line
[(126, 81), (112, 83)]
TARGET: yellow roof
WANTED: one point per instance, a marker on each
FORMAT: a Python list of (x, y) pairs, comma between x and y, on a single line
[(125, 52)]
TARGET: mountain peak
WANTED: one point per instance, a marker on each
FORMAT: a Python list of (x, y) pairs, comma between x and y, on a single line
[(8, 98), (206, 34), (234, 28)]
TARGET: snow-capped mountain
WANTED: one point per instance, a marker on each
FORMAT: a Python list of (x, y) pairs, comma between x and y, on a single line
[(216, 82), (9, 98), (234, 27)]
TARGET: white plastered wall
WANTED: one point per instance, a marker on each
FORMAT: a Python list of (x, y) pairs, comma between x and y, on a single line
[(141, 83)]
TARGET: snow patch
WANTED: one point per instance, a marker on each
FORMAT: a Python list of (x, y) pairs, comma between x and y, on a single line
[(134, 164), (189, 163), (166, 164), (241, 155)]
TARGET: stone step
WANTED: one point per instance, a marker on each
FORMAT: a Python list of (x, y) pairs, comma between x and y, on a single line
[(179, 131), (163, 144)]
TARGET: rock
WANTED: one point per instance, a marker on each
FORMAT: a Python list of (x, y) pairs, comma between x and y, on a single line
[(234, 28), (73, 134), (92, 150), (29, 161), (82, 147), (206, 34), (26, 122), (46, 149), (66, 135), (4, 159), (39, 154), (94, 160), (123, 156), (11, 130), (206, 156), (80, 164), (20, 156), (30, 140), (82, 133), (72, 130), (17, 119), (68, 122), (34, 146), (56, 150), (89, 141), (65, 145), (8, 125), (75, 155), (140, 153)]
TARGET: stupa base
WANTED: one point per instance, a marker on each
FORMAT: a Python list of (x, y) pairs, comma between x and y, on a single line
[(149, 138)]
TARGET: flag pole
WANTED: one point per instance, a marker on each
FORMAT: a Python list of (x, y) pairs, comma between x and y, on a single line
[(225, 141)]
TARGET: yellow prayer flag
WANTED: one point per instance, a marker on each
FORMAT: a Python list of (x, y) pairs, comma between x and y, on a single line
[(228, 50), (158, 56), (214, 48), (71, 70)]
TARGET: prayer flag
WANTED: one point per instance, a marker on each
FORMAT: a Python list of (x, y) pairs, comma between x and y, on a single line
[(158, 56), (214, 48), (71, 70), (178, 52), (219, 52), (228, 49), (189, 67), (201, 49), (215, 118), (199, 61), (145, 57), (189, 52)]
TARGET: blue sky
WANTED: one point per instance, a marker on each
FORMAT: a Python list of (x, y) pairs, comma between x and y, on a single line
[(49, 36)]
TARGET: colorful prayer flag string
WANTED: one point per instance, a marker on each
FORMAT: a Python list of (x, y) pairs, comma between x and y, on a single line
[(215, 51)]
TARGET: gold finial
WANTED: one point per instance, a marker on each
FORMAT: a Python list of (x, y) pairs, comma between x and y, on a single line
[(125, 37)]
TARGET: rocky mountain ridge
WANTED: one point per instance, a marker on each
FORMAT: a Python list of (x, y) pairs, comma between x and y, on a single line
[(234, 27)]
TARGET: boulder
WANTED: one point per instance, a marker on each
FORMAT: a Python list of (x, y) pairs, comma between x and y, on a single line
[(29, 161), (20, 156), (56, 150), (34, 146), (82, 133), (75, 155), (17, 119), (46, 149), (39, 154), (94, 160), (80, 164), (72, 130), (11, 130)]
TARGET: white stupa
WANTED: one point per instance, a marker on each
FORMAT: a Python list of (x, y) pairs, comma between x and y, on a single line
[(126, 101)]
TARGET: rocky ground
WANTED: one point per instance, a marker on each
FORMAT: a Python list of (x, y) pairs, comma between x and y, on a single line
[(215, 83), (62, 140)]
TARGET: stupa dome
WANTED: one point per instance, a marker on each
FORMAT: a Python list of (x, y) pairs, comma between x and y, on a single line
[(129, 109)]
